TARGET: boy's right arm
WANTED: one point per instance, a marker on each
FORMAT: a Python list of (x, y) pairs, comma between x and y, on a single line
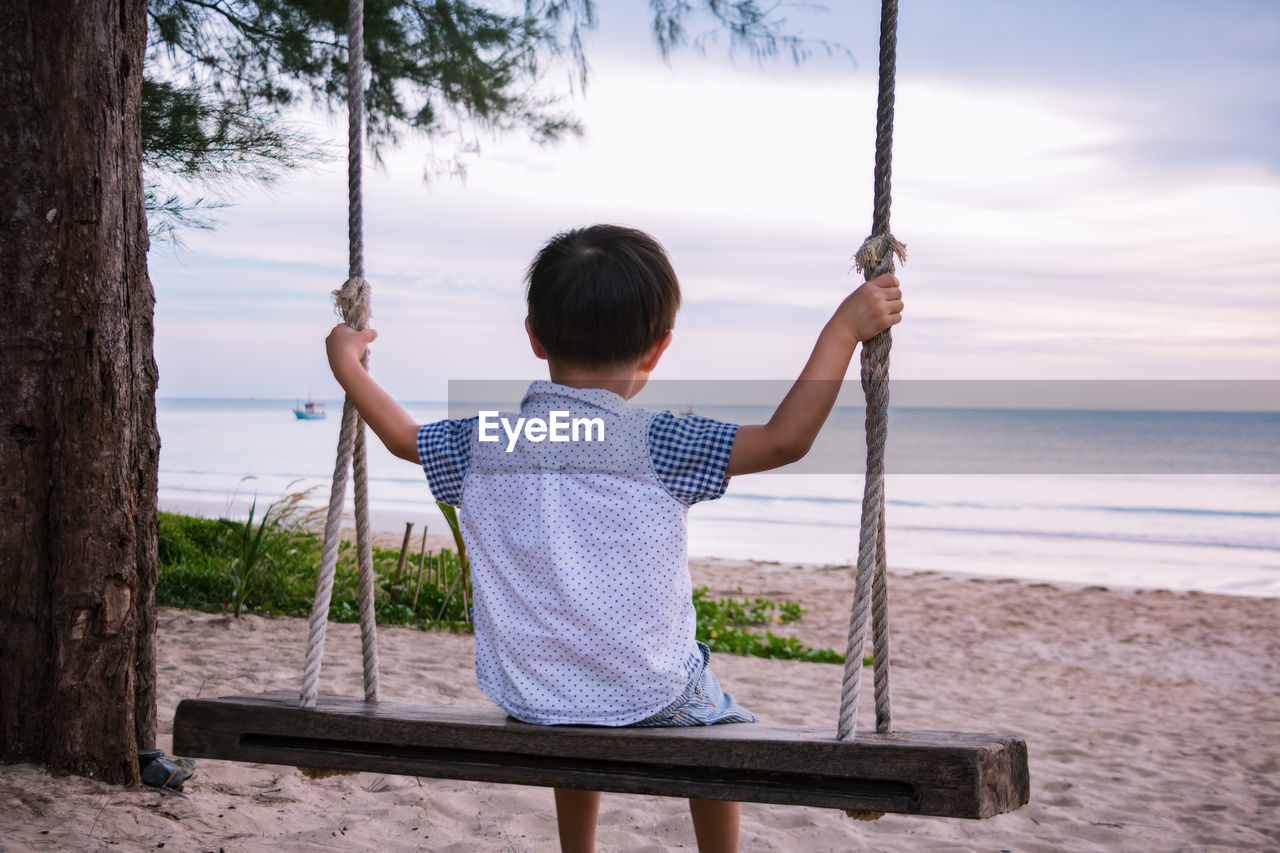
[(869, 310)]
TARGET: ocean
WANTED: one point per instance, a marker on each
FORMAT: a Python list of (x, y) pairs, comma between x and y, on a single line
[(1189, 500)]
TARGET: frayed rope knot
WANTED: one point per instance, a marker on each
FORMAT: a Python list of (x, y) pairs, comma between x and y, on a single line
[(876, 250), (352, 302)]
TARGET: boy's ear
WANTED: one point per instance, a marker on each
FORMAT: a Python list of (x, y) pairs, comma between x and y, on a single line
[(650, 360), (533, 342)]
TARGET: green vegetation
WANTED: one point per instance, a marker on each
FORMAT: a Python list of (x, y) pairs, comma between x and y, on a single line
[(200, 562), (269, 567), (259, 546), (720, 623)]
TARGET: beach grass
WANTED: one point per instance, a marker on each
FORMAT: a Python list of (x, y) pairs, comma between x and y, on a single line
[(199, 570), (202, 568), (721, 622)]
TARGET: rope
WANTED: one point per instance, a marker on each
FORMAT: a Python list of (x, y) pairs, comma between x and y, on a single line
[(328, 560), (874, 258), (352, 302), (364, 560)]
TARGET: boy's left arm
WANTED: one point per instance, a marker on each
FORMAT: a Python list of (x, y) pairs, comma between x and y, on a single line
[(387, 418)]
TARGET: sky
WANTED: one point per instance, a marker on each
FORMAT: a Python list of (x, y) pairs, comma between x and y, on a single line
[(1087, 190)]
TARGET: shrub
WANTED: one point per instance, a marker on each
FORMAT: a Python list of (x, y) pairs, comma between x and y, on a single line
[(720, 621), (199, 561)]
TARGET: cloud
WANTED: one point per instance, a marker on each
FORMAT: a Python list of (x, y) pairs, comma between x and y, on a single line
[(1049, 236)]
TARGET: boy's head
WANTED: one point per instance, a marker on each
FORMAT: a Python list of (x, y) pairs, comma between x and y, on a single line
[(601, 296)]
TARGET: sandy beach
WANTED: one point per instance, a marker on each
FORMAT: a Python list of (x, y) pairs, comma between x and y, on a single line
[(1152, 719)]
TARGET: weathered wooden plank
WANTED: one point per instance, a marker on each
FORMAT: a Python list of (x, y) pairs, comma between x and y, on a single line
[(936, 773)]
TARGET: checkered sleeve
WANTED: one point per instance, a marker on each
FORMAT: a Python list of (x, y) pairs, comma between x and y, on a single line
[(444, 448), (690, 455)]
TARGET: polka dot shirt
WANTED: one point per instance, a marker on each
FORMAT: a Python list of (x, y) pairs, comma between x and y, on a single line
[(579, 560)]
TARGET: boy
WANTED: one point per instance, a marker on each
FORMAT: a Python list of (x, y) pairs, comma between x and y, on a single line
[(583, 609)]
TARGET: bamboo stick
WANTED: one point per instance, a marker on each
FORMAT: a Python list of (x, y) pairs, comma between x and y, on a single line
[(422, 556), (448, 594), (404, 552)]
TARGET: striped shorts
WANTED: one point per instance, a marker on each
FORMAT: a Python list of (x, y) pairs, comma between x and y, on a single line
[(703, 702)]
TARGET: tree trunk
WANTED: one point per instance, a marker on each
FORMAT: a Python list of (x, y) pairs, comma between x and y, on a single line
[(78, 441)]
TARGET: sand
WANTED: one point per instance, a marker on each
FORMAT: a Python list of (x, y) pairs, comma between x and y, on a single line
[(1152, 718)]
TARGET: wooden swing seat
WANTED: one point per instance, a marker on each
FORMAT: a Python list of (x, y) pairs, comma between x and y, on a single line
[(947, 774)]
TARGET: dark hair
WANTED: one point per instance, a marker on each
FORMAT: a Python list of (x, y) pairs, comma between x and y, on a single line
[(601, 295)]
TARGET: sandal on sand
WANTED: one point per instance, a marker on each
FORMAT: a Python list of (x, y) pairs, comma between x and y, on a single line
[(161, 772)]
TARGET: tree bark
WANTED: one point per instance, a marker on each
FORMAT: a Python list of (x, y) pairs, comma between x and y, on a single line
[(78, 440)]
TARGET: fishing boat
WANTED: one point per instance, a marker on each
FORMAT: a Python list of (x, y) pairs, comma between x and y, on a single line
[(309, 411)]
